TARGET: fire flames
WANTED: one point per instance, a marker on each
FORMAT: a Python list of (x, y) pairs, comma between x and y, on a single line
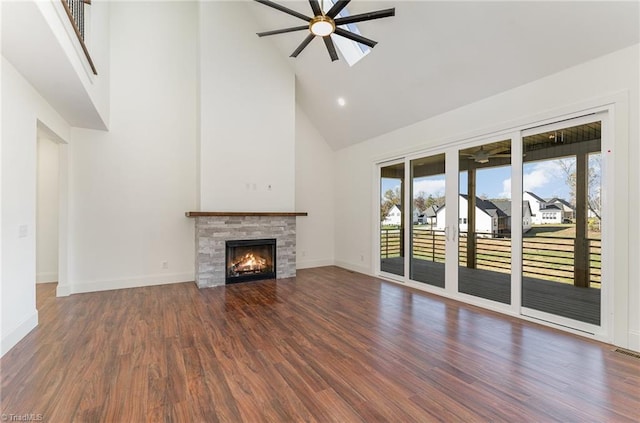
[(249, 263)]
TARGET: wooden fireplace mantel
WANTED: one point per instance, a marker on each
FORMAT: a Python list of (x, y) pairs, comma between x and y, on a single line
[(275, 214)]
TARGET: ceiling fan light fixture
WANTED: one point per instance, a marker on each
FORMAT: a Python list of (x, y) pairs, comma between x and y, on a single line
[(322, 26), (481, 156)]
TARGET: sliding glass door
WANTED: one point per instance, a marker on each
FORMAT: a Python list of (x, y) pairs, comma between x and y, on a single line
[(428, 223), (562, 252), (511, 222), (484, 223), (392, 219)]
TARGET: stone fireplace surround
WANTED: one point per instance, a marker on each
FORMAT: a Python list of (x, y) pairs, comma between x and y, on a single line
[(213, 229)]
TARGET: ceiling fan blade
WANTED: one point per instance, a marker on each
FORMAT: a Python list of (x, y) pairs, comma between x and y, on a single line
[(355, 37), (315, 6), (366, 16), (282, 31), (330, 48), (497, 151), (337, 8), (302, 45), (284, 9)]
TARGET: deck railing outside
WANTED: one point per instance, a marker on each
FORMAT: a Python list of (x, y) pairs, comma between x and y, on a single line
[(549, 258)]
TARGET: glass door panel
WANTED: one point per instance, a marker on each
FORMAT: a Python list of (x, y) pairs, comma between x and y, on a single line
[(561, 270), (428, 224), (484, 223), (392, 219)]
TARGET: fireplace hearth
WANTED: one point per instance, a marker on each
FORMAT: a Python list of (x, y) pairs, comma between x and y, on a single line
[(214, 229), (250, 260)]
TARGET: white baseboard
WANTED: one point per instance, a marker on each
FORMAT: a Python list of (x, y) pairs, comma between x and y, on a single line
[(634, 340), (136, 282), (63, 290), (307, 264), (10, 340), (46, 277), (355, 268)]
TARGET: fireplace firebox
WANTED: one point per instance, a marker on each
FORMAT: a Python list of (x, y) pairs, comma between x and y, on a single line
[(250, 260)]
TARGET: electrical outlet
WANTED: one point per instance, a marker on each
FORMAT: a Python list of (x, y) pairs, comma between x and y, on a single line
[(165, 264), (23, 231)]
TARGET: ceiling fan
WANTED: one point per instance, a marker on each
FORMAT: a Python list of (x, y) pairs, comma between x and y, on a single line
[(483, 156), (324, 24)]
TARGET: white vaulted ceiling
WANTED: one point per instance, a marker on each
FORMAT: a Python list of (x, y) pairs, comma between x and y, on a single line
[(433, 57)]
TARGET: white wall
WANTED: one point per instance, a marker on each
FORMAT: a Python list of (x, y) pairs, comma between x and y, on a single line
[(354, 186), (47, 211), (39, 40), (22, 109), (130, 187), (247, 115), (314, 194), (588, 85)]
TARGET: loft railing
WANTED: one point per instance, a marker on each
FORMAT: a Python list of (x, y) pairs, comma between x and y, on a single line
[(75, 11)]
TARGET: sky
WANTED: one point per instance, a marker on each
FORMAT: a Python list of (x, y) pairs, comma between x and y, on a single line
[(543, 178)]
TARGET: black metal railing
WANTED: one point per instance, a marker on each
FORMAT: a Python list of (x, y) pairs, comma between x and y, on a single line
[(75, 10), (77, 14)]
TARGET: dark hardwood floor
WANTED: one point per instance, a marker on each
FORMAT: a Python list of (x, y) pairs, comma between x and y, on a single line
[(327, 346)]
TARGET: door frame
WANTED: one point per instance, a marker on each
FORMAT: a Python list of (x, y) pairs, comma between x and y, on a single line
[(378, 222), (607, 184), (614, 323)]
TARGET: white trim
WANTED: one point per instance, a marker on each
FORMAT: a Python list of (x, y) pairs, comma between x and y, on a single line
[(452, 213), (63, 215), (137, 282), (577, 326), (607, 226), (46, 277), (588, 117), (63, 290), (408, 217), (308, 264), (517, 195), (634, 340), (349, 266), (18, 333)]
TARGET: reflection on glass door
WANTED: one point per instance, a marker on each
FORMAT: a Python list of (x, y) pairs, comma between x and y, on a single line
[(392, 219), (561, 271), (427, 224), (484, 223)]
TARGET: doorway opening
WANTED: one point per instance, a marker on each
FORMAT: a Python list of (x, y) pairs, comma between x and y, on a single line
[(47, 210)]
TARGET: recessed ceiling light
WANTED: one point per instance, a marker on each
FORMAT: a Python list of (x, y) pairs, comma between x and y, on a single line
[(341, 101)]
